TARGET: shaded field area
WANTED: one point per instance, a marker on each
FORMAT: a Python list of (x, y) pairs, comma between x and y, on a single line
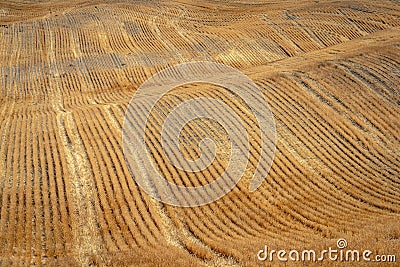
[(330, 72)]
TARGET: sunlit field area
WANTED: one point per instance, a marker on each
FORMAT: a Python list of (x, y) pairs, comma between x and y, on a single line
[(329, 72)]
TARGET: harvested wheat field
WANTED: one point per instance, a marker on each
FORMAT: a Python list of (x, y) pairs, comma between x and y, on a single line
[(329, 71)]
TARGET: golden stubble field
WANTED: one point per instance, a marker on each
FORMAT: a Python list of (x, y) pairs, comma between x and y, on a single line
[(328, 69)]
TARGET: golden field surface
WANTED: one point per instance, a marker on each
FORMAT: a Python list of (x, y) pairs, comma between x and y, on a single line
[(329, 70)]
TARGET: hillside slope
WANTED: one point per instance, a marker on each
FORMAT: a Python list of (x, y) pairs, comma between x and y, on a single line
[(330, 72)]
